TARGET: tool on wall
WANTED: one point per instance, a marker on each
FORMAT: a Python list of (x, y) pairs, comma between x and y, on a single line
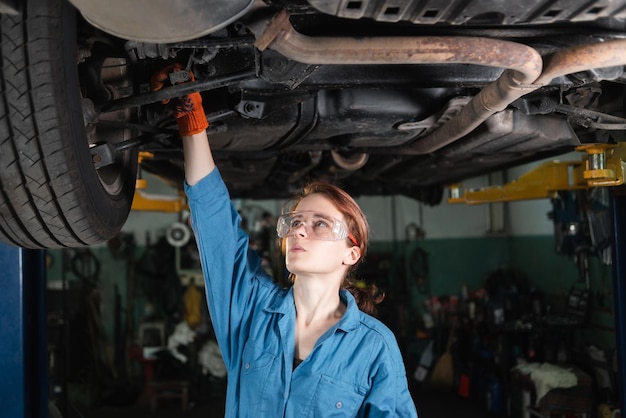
[(582, 227), (416, 259), (178, 234)]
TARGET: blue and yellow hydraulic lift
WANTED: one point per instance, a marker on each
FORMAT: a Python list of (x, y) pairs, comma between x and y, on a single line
[(603, 165), (23, 353), (143, 201), (24, 389)]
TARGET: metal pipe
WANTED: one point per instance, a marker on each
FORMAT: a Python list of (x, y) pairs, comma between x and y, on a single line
[(351, 163), (523, 64), (280, 36), (177, 91), (499, 94), (582, 58), (617, 208), (523, 67), (493, 98)]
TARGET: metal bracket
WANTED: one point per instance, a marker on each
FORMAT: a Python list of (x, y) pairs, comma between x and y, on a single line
[(602, 166)]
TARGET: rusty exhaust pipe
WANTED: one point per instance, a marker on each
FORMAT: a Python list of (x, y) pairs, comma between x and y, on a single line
[(499, 94), (280, 36), (523, 66), (582, 58)]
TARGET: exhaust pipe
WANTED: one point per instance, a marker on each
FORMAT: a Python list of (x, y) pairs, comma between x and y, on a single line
[(499, 94), (280, 36), (523, 66)]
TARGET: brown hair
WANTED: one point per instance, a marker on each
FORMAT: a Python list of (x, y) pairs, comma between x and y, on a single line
[(367, 296)]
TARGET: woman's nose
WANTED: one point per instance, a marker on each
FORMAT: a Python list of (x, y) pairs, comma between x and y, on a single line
[(300, 230)]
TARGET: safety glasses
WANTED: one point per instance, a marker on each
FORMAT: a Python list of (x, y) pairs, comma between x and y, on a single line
[(317, 225)]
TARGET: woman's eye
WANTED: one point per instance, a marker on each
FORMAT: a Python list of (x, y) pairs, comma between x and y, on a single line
[(296, 223), (321, 224)]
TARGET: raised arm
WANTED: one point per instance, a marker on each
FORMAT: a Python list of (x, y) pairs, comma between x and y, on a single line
[(198, 158), (192, 124), (231, 270)]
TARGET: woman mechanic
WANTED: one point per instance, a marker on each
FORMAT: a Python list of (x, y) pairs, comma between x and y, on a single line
[(304, 351)]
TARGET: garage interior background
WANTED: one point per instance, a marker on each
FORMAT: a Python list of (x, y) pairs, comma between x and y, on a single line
[(435, 283)]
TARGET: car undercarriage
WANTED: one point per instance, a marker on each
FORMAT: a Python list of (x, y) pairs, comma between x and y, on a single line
[(381, 97)]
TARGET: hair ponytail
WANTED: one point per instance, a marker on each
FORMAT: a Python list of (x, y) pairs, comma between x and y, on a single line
[(367, 296)]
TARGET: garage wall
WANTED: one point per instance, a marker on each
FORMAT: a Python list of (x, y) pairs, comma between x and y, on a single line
[(464, 243), (388, 216)]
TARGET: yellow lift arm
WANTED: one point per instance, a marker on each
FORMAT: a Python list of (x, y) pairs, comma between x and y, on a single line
[(602, 166), (156, 203)]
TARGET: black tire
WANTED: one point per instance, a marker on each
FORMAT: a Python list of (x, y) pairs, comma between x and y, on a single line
[(51, 195)]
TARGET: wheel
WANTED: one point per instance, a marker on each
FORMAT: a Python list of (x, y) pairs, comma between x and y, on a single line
[(51, 194)]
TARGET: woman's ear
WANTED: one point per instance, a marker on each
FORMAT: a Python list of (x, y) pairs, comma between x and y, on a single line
[(353, 256)]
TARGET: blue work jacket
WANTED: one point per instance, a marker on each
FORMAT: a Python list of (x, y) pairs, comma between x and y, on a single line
[(355, 368)]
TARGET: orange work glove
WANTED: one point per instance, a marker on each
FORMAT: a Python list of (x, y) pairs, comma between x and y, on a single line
[(188, 110)]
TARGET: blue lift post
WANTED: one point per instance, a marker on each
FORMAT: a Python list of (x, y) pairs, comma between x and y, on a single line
[(23, 349), (618, 211)]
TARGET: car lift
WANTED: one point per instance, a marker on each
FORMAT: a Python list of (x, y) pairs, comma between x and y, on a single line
[(23, 316), (603, 166), (23, 320), (157, 203)]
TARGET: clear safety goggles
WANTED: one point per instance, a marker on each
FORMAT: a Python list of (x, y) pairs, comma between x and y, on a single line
[(317, 225)]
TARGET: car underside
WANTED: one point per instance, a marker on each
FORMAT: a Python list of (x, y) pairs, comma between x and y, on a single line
[(381, 97)]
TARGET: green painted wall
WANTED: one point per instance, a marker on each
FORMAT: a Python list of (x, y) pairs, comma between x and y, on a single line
[(535, 256), (452, 264)]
